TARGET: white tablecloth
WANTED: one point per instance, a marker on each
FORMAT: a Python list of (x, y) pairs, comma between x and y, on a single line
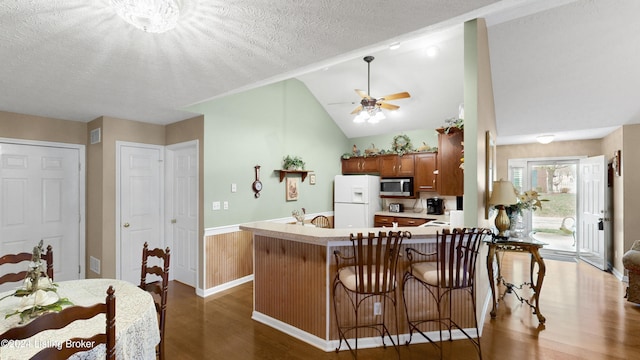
[(136, 321)]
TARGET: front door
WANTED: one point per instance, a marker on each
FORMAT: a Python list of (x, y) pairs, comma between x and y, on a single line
[(140, 207), (40, 200), (592, 207)]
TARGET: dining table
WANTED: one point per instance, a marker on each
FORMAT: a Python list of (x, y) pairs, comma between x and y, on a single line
[(137, 332)]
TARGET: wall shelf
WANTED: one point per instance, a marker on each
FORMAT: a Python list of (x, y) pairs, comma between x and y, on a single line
[(283, 173)]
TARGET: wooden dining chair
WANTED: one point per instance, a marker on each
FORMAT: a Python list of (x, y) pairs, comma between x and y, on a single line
[(61, 319), (366, 279), (321, 221), (451, 268), (157, 287), (26, 258)]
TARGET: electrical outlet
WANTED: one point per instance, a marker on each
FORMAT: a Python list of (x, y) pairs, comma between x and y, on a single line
[(225, 205), (377, 309), (215, 205)]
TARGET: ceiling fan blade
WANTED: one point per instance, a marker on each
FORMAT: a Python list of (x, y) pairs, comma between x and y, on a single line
[(384, 105), (357, 110), (343, 103), (362, 93), (400, 95)]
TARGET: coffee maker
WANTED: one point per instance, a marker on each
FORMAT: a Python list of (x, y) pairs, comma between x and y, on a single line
[(435, 206)]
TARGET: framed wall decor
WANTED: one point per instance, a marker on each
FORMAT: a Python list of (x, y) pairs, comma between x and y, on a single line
[(615, 162), (491, 171), (292, 189)]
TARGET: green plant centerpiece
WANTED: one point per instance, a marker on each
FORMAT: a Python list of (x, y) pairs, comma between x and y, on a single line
[(292, 163), (38, 294), (453, 124)]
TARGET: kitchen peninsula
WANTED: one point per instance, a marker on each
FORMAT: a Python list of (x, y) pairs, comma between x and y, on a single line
[(294, 268)]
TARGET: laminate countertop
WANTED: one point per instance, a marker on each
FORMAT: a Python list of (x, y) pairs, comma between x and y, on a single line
[(324, 236)]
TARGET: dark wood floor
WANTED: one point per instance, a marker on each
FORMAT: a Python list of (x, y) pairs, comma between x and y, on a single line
[(587, 318)]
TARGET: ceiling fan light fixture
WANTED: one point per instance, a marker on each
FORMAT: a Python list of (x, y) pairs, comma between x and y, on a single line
[(153, 16), (379, 116), (370, 108), (545, 139)]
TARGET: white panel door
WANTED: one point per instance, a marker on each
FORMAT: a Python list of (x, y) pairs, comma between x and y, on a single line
[(40, 199), (140, 205), (184, 220), (592, 204)]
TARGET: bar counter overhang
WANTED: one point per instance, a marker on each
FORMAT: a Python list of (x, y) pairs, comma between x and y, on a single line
[(294, 268)]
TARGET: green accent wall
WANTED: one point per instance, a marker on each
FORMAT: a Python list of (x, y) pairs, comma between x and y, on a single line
[(260, 127)]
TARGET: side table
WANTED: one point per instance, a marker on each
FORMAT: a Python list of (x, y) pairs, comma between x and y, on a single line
[(526, 245)]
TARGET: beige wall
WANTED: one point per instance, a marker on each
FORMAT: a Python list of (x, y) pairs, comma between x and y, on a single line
[(101, 203), (630, 171), (610, 143), (100, 163), (183, 131), (554, 149), (28, 127), (479, 118)]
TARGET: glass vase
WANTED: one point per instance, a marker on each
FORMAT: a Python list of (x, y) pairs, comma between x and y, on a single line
[(517, 226)]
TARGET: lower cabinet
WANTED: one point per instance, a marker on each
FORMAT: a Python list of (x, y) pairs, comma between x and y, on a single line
[(384, 220)]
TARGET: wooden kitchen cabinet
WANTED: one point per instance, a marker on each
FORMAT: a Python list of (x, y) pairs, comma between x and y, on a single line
[(384, 220), (360, 165), (450, 177), (403, 221), (396, 165), (425, 168)]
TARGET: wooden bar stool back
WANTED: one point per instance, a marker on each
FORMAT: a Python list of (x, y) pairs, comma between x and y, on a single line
[(451, 268), (366, 279)]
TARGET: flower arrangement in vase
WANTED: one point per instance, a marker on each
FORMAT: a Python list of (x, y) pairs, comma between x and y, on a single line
[(38, 292)]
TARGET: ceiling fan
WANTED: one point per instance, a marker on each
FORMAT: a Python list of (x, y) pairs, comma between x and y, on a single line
[(370, 108)]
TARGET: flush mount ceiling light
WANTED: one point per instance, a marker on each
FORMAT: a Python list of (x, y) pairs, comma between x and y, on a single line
[(545, 139), (154, 16)]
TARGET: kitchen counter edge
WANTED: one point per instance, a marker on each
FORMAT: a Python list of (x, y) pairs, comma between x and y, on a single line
[(328, 237)]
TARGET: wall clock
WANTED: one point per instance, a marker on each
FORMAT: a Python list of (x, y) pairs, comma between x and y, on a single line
[(257, 184)]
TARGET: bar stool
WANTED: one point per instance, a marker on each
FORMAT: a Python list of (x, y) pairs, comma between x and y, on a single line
[(367, 278), (451, 268)]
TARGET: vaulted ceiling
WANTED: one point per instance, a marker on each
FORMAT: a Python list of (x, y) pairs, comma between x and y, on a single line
[(567, 67)]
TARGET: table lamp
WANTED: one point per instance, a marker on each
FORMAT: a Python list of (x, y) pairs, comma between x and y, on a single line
[(503, 194)]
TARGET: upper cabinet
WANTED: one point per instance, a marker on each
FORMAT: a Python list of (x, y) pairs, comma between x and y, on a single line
[(450, 176), (360, 165), (425, 168), (396, 166)]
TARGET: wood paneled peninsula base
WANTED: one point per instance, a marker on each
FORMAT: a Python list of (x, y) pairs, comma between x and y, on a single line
[(294, 267), (526, 245)]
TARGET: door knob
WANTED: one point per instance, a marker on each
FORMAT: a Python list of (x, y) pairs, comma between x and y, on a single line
[(126, 225)]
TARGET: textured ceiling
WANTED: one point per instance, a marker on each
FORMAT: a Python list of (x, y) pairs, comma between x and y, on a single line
[(554, 69)]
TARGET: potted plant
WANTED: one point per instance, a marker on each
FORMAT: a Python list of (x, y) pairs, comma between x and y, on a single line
[(292, 163)]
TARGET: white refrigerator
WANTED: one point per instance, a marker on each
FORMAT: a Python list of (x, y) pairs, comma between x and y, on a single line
[(356, 199)]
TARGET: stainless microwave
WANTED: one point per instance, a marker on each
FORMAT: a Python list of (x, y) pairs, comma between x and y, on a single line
[(398, 187)]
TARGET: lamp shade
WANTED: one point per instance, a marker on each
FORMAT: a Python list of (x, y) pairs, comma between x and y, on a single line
[(503, 193)]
